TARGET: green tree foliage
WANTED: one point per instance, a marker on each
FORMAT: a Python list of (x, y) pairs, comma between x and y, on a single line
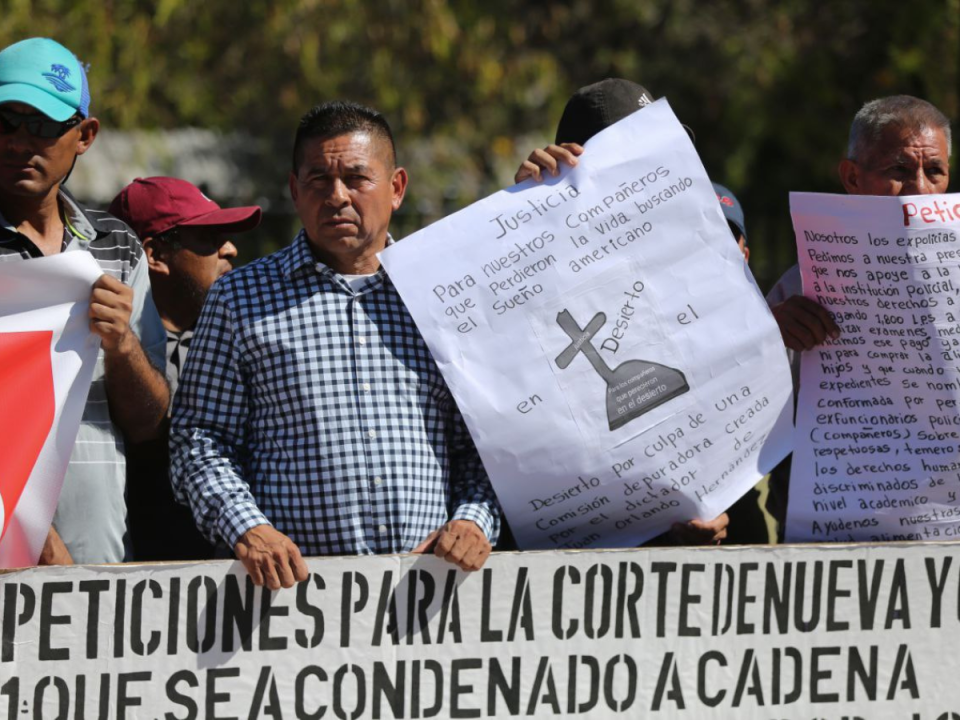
[(768, 87)]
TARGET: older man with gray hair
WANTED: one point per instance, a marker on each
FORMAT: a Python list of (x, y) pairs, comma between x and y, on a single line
[(899, 145)]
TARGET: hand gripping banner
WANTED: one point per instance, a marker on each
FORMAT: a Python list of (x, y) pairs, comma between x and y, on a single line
[(47, 355)]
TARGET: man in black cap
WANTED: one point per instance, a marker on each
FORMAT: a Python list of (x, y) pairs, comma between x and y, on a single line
[(590, 110)]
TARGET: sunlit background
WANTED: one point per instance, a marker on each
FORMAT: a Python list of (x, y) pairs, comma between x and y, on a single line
[(211, 90)]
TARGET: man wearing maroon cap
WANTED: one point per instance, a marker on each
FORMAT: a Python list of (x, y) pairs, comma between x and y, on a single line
[(185, 238)]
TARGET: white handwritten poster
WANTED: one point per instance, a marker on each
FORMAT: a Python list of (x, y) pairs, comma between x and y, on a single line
[(615, 363), (878, 432)]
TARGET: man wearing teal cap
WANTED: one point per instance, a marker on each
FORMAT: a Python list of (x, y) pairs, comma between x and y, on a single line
[(45, 124)]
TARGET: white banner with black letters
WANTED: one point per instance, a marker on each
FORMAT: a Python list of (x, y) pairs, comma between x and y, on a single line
[(862, 631)]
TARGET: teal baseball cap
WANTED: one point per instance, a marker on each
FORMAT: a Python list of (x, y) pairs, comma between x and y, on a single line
[(42, 73)]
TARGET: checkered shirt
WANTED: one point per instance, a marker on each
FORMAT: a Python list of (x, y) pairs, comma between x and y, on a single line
[(317, 407)]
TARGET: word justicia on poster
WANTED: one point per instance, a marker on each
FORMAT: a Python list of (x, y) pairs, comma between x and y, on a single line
[(799, 632)]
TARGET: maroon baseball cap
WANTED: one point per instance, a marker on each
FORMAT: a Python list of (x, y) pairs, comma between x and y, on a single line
[(152, 206)]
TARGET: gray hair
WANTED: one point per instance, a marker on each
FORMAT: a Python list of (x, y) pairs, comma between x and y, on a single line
[(900, 111)]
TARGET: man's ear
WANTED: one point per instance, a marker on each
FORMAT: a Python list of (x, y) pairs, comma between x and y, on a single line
[(294, 190), (849, 173), (399, 185), (157, 256), (88, 133)]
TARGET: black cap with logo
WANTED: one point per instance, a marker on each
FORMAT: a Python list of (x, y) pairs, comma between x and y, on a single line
[(596, 107)]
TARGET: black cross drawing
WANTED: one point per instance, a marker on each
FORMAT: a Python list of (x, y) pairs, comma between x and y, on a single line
[(634, 387)]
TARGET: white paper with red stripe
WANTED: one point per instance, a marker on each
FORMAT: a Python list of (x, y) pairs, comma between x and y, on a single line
[(45, 295)]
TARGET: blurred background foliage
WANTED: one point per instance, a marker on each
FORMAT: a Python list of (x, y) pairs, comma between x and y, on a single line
[(470, 88)]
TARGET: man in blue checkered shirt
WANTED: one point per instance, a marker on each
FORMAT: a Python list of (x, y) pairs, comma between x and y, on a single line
[(310, 416)]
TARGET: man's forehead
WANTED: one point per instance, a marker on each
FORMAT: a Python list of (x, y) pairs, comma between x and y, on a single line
[(350, 149), (908, 142)]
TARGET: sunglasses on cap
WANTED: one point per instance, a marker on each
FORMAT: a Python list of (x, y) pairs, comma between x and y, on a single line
[(38, 125)]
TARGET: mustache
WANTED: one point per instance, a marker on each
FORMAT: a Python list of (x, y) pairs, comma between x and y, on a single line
[(348, 216)]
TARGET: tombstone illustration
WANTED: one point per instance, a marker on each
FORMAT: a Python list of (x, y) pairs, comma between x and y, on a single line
[(634, 387)]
